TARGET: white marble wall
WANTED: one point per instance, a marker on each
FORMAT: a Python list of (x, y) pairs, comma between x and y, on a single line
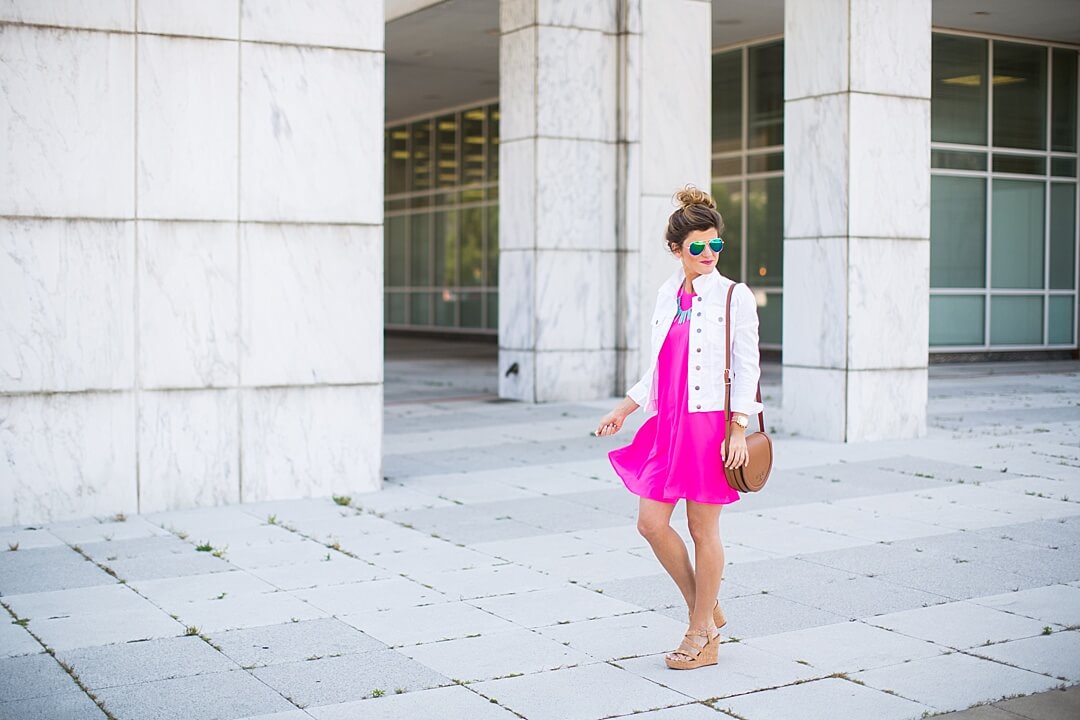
[(190, 253), (856, 218), (605, 114), (557, 228)]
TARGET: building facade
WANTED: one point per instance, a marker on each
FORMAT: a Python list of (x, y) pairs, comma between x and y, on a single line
[(211, 213)]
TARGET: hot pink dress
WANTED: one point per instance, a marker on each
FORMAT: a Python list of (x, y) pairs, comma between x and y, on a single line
[(676, 453)]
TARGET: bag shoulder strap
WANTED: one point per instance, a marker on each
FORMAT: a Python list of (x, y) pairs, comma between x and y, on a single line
[(727, 368)]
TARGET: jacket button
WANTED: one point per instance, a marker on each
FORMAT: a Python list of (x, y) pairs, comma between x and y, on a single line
[(699, 349), (699, 329), (699, 314), (698, 407), (698, 367), (697, 387)]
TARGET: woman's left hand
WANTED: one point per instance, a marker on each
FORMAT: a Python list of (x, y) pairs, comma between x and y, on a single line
[(738, 454)]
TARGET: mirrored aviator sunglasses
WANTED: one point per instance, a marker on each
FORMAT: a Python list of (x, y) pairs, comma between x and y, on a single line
[(698, 246)]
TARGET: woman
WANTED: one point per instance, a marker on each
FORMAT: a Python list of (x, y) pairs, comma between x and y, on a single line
[(677, 453)]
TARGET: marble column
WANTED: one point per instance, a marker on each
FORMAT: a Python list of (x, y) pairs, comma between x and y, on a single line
[(190, 254), (856, 218), (605, 113), (665, 113)]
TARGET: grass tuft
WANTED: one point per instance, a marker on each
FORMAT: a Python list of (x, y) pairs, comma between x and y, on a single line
[(343, 500), (204, 547)]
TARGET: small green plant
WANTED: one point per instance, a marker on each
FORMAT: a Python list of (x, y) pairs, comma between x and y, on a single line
[(22, 622), (191, 630), (12, 546), (119, 517), (1047, 630), (220, 552), (327, 558), (342, 500), (377, 692), (271, 520), (221, 596), (204, 547)]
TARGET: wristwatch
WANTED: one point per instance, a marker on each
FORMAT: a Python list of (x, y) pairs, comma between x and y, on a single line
[(740, 420)]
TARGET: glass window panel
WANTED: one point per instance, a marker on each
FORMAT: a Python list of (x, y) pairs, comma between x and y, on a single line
[(1018, 223), (421, 201), (770, 317), (472, 310), (471, 146), (766, 95), (728, 196), (1063, 101), (395, 205), (446, 160), (493, 310), (420, 308), (396, 311), (1063, 167), (397, 162), (420, 135), (420, 266), (447, 234), (493, 144), (1023, 164), (727, 101), (493, 246), (472, 195), (954, 160), (472, 246), (957, 320), (1016, 320), (1019, 95), (765, 163), (722, 167), (493, 191), (958, 90), (448, 198), (1061, 320), (957, 232), (396, 241), (446, 307), (765, 232), (1062, 236)]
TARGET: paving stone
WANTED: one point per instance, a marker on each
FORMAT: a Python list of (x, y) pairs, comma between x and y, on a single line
[(200, 523), (548, 607), (244, 611), (755, 615), (33, 676), (558, 695), (26, 538), (1057, 604), (845, 647), (1056, 655), (155, 566), (444, 556), (172, 593), (693, 711), (649, 591), (495, 654), (486, 581), (45, 569), (959, 625), (292, 642), (213, 696), (466, 524), (287, 715), (426, 623), (595, 568), (826, 699), (740, 669), (77, 601), (623, 636), (866, 525), (984, 712), (371, 595), (84, 532), (783, 538), (64, 706), (252, 557), (527, 550), (955, 681), (146, 661), (348, 677), (960, 581), (16, 641), (454, 701), (1052, 705), (104, 628), (339, 570), (872, 560)]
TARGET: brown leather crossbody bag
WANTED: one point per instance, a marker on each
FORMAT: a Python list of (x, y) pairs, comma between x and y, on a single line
[(752, 476)]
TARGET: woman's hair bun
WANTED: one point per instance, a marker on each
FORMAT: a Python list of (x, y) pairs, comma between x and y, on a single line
[(691, 195)]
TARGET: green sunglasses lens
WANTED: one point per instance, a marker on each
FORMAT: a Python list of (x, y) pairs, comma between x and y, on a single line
[(698, 246)]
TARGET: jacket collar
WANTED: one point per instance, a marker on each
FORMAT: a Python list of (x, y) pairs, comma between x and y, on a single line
[(704, 285)]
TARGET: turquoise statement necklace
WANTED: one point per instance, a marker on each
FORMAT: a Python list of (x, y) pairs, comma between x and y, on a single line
[(682, 315)]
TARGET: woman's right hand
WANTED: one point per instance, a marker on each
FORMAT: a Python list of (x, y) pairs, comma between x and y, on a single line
[(613, 421)]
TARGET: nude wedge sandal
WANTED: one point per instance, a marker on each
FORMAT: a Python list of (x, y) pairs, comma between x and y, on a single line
[(696, 655)]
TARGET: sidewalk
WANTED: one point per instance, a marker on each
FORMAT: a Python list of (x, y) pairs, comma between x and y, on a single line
[(499, 574)]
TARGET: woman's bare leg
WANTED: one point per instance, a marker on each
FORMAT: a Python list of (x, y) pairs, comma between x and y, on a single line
[(704, 522), (654, 524)]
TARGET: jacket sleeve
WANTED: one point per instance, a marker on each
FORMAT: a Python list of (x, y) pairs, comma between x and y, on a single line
[(642, 390), (745, 357)]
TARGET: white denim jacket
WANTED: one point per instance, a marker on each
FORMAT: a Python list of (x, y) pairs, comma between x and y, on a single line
[(706, 357)]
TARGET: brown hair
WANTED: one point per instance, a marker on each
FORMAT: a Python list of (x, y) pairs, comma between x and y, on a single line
[(697, 211)]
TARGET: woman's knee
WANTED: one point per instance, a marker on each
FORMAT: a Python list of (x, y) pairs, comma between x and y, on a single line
[(704, 530), (652, 528)]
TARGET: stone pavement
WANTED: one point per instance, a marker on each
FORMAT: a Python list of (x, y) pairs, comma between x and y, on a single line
[(499, 575)]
